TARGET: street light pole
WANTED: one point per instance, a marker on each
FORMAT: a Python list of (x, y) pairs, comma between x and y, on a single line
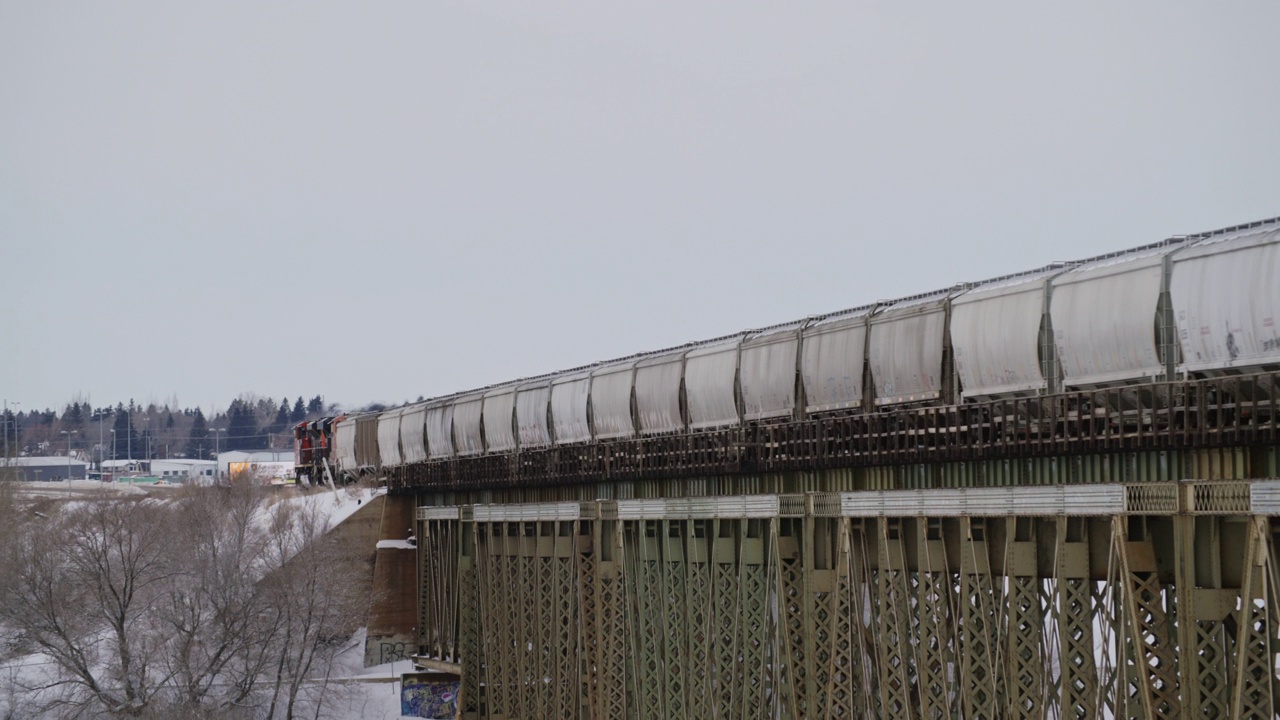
[(69, 433), (7, 423), (216, 446)]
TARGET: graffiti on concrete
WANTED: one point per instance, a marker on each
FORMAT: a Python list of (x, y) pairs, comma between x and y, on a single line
[(392, 652)]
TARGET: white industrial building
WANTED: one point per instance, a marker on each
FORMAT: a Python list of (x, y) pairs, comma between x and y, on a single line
[(183, 470)]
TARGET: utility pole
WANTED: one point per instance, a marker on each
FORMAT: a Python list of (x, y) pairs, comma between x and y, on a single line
[(7, 423), (101, 450), (215, 432), (69, 433)]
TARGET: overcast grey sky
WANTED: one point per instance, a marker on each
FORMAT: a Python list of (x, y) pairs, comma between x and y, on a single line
[(375, 201)]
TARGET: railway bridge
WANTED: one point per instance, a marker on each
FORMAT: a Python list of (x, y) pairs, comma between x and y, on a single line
[(1050, 495)]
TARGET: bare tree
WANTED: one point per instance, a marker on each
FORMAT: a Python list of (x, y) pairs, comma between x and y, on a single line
[(207, 605), (12, 518), (81, 596), (318, 594), (215, 616)]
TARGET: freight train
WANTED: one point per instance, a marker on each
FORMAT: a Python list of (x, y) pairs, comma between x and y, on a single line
[(1192, 306)]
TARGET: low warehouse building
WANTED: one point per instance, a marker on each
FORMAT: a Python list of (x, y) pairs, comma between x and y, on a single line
[(47, 468), (183, 470)]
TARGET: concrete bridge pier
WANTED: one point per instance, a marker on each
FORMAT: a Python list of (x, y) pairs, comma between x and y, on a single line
[(393, 615)]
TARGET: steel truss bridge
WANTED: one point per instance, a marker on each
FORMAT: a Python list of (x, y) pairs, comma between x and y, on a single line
[(1082, 555)]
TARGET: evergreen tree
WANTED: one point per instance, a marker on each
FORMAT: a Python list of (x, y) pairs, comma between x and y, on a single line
[(73, 417), (126, 436), (316, 406), (266, 409), (198, 443), (282, 417), (242, 427), (299, 412), (12, 430)]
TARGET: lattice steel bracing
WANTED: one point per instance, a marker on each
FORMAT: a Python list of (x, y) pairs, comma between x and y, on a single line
[(892, 620), (615, 691), (820, 604), (676, 623), (658, 608), (862, 602), (514, 608), (1148, 682), (473, 704), (1210, 668), (981, 612), (527, 586), (590, 631), (807, 581), (495, 625), (796, 638), (753, 689), (647, 593), (1075, 656), (844, 671), (1255, 673), (1024, 646), (563, 655), (701, 632), (935, 650), (725, 670)]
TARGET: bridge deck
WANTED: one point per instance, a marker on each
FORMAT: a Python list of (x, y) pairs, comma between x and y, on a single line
[(1237, 411)]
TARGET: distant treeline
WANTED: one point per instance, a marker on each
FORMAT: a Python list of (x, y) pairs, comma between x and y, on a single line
[(157, 431)]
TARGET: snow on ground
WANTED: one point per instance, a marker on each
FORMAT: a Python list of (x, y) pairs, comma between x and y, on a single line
[(335, 505), (362, 692), (80, 488), (22, 671)]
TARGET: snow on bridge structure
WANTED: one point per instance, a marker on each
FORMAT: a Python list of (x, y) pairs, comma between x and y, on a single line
[(1046, 495)]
